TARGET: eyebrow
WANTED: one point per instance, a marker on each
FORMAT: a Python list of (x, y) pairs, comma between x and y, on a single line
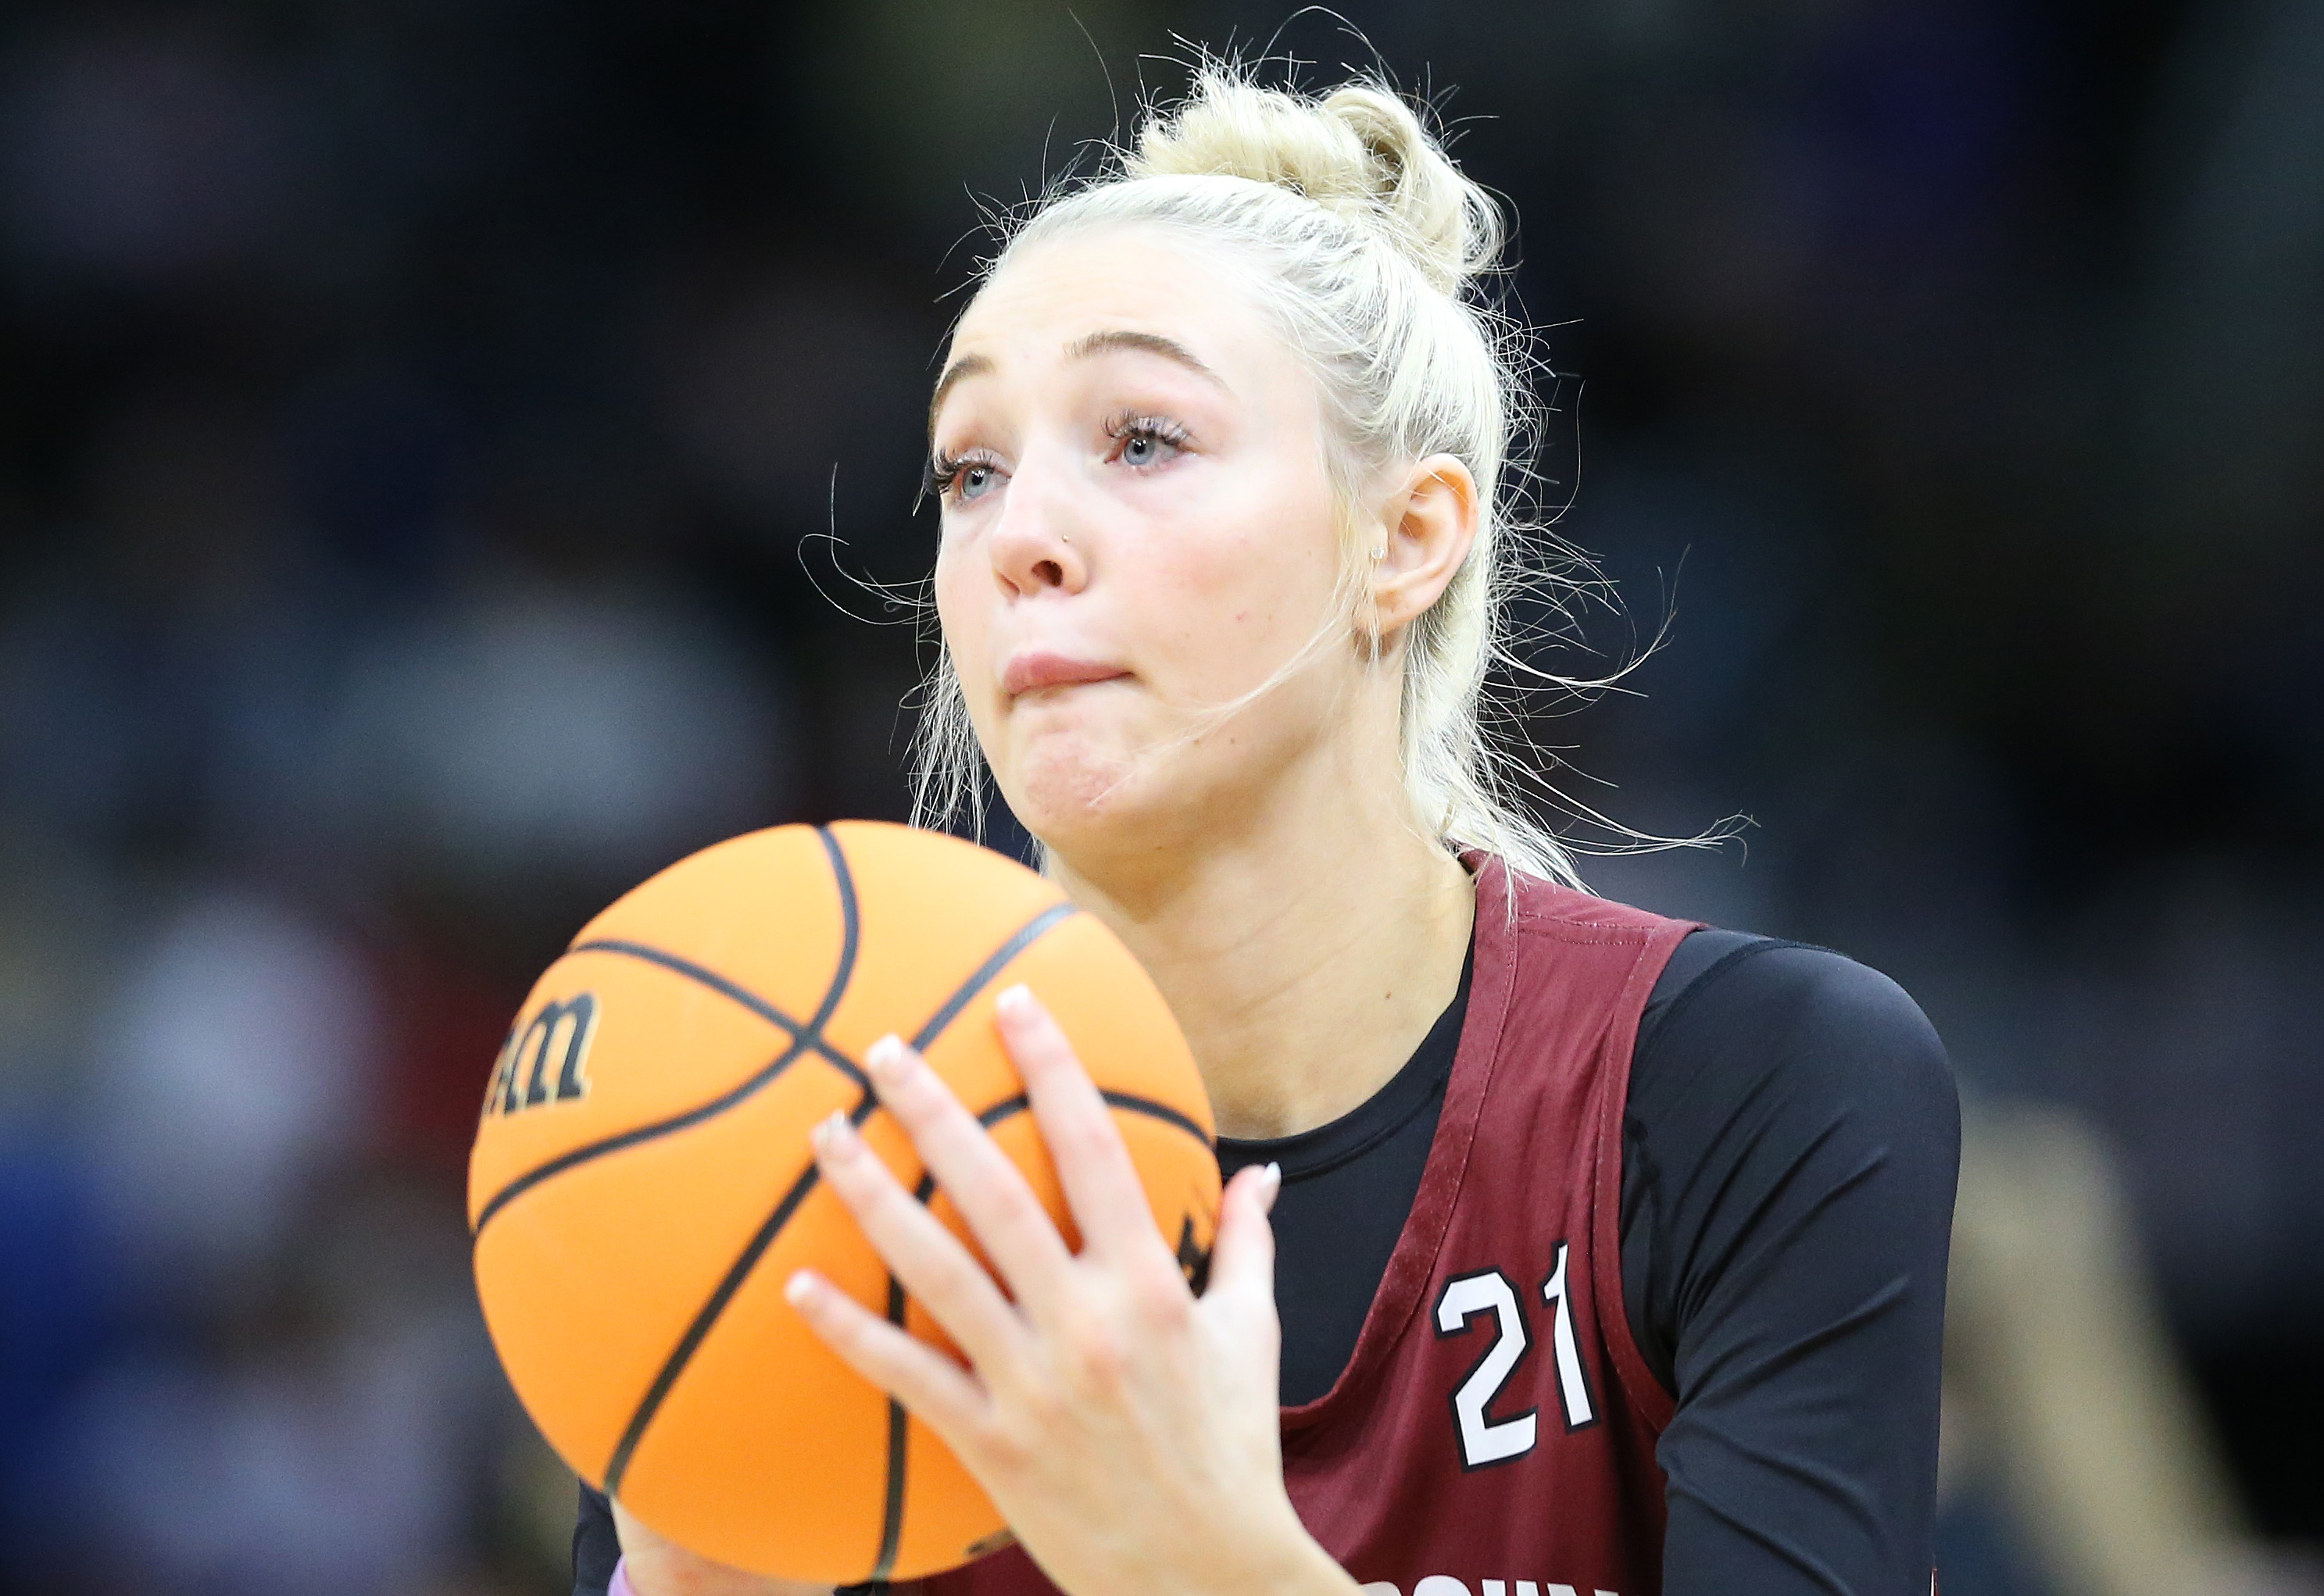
[(1170, 349), (967, 365), (1107, 342)]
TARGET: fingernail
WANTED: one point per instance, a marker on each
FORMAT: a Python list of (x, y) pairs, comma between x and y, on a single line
[(1014, 1002), (1270, 1186), (885, 1059), (832, 1134), (798, 1287)]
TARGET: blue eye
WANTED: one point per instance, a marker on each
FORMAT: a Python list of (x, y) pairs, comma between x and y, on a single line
[(960, 480), (1142, 441)]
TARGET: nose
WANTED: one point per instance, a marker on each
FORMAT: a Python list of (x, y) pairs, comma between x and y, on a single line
[(1039, 543)]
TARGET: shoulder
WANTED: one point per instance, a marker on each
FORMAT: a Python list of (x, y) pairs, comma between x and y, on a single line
[(1759, 1052), (1733, 1005), (1739, 1020)]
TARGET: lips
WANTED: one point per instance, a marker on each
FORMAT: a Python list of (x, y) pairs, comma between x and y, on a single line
[(1034, 669)]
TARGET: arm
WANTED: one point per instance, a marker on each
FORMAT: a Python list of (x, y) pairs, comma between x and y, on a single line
[(1790, 1151), (606, 1536), (657, 1568)]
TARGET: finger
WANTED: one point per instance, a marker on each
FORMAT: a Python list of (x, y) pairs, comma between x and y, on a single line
[(989, 1191), (941, 1392), (1242, 1255), (927, 1259), (1093, 1165)]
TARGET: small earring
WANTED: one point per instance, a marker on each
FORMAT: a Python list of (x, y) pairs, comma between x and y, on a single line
[(1381, 552)]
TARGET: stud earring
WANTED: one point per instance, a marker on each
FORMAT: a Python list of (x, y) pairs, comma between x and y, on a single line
[(1381, 552)]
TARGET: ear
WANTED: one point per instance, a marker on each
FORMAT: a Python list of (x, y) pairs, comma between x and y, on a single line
[(1427, 524)]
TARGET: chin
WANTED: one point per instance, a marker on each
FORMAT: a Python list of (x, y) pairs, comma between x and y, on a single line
[(1073, 795), (1068, 788)]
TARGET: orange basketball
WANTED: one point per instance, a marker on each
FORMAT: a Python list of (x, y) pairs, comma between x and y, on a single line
[(641, 1186)]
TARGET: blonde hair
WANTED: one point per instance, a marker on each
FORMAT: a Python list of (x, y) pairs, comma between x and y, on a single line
[(1374, 247)]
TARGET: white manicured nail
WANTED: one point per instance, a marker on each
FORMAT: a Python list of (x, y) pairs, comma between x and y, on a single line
[(830, 1133), (886, 1057)]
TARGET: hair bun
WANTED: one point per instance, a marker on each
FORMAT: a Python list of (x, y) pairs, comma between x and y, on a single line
[(1360, 151)]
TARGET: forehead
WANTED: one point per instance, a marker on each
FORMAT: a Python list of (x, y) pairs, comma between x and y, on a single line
[(1048, 298)]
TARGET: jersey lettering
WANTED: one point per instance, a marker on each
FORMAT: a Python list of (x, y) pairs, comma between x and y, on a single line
[(1572, 1387), (1444, 1584), (1485, 1441)]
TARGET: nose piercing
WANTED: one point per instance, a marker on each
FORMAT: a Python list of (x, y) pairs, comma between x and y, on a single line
[(1064, 537)]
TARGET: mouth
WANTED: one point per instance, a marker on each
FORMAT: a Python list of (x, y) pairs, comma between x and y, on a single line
[(1035, 669)]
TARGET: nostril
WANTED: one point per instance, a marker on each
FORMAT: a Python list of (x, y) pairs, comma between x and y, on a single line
[(1050, 573)]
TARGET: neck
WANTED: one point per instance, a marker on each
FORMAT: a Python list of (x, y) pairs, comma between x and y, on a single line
[(1306, 952)]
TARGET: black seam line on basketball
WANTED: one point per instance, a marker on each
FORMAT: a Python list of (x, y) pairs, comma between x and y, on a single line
[(892, 1519), (802, 1039), (1146, 1107), (800, 1031), (1009, 1108), (891, 1512), (851, 923), (707, 1315), (892, 1515), (892, 1523), (1024, 937), (630, 1138)]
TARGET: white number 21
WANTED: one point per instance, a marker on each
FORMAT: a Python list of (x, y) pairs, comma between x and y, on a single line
[(1485, 1440)]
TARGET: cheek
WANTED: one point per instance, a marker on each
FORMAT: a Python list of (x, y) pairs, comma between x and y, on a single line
[(965, 623), (965, 617), (1241, 586)]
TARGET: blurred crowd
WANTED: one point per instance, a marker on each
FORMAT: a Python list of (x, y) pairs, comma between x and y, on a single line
[(451, 452)]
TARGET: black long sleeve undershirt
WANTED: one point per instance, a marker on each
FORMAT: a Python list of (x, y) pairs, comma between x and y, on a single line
[(1789, 1154), (1790, 1144)]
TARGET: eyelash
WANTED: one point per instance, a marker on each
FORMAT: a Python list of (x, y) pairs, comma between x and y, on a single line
[(942, 474), (1162, 430)]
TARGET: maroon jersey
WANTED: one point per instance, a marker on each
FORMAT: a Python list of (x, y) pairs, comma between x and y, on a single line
[(1493, 1433)]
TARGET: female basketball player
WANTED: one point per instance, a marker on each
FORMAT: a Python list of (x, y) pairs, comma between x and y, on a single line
[(1607, 1251)]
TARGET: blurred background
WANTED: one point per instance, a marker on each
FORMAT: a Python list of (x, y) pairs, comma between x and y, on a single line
[(435, 437)]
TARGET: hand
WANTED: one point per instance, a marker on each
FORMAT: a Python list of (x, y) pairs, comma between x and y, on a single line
[(1126, 1429), (659, 1567)]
